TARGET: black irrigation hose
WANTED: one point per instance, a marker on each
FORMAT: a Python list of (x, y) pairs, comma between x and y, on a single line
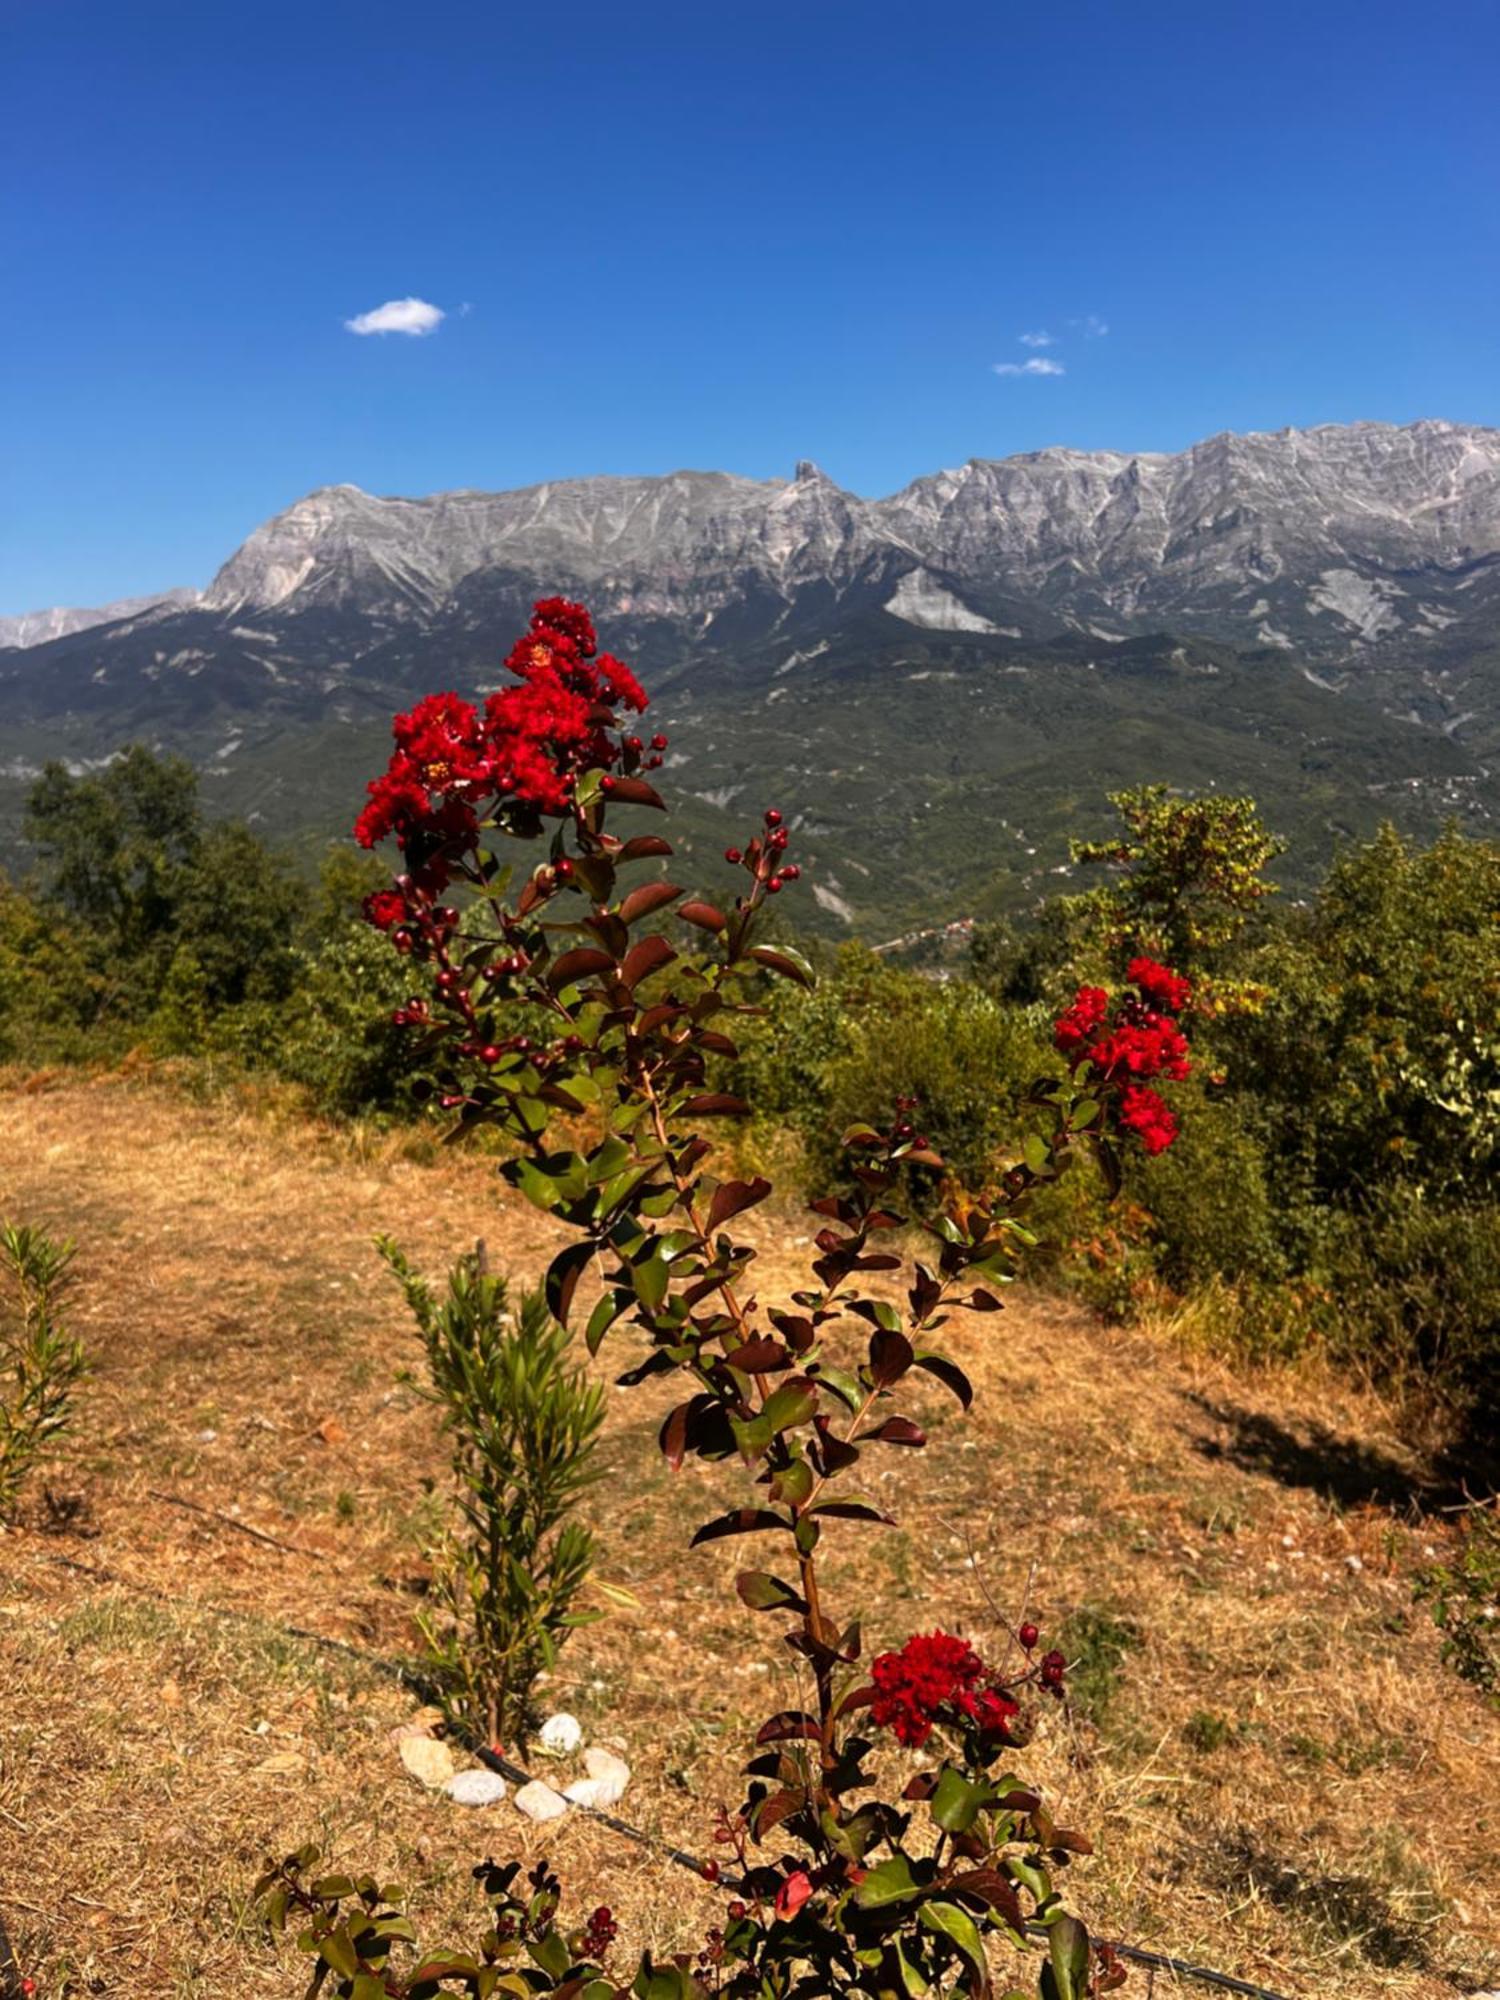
[(1157, 1961), (10, 1972)]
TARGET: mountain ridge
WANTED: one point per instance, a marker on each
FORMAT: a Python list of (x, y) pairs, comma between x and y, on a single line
[(1314, 613)]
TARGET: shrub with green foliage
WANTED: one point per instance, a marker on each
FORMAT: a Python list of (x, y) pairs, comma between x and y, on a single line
[(41, 1363), (523, 1423), (1464, 1596)]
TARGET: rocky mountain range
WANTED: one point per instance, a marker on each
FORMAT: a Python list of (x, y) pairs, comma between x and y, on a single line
[(1310, 614)]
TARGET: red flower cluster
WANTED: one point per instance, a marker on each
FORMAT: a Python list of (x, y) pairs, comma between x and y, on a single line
[(1159, 985), (934, 1672), (530, 743), (1142, 1042)]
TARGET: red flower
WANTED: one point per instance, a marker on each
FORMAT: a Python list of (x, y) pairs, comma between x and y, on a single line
[(1159, 985), (1145, 1113), (385, 909), (531, 744), (1125, 1052), (793, 1893), (933, 1672), (1078, 1026), (1141, 1044), (571, 621)]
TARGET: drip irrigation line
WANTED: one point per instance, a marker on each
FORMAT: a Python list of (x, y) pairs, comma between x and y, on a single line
[(494, 1760), (10, 1972)]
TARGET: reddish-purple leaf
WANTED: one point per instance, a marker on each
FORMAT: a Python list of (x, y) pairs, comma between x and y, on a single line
[(673, 1435), (759, 1357), (646, 957), (715, 1104), (733, 1198), (777, 961), (635, 792), (641, 846), (577, 964), (704, 915), (792, 1725), (740, 1521), (949, 1374), (891, 1355), (895, 1430), (650, 896), (566, 1268)]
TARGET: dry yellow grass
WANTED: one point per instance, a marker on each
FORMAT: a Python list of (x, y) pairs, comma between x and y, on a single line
[(1281, 1778)]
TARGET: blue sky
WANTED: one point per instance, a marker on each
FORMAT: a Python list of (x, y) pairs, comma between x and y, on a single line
[(708, 235)]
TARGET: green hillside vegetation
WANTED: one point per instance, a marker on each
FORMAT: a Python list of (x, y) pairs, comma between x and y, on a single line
[(1337, 1185)]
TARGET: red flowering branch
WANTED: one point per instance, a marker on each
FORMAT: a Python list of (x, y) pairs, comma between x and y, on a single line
[(833, 1895)]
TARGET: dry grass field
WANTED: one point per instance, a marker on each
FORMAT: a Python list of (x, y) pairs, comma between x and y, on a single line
[(1281, 1778)]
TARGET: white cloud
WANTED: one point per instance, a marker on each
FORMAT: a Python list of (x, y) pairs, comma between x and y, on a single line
[(1037, 366), (414, 316), (1041, 339), (1094, 328)]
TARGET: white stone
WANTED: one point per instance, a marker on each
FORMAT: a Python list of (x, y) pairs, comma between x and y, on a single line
[(608, 1775), (561, 1735), (429, 1761), (477, 1787), (540, 1802)]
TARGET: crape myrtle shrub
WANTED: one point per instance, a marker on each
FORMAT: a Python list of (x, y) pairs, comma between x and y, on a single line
[(517, 888)]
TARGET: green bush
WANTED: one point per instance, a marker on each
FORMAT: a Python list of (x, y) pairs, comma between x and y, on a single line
[(523, 1424), (41, 1363), (1213, 1209)]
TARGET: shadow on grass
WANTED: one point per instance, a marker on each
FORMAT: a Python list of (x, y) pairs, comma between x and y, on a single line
[(1386, 1915), (1340, 1468)]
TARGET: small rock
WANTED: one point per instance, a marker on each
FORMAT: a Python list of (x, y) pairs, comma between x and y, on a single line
[(476, 1788), (561, 1735), (208, 1437), (1353, 1564), (423, 1723), (608, 1775), (282, 1764), (429, 1761), (540, 1802)]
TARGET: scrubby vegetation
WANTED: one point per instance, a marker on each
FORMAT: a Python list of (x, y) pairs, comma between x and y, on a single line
[(1337, 1186)]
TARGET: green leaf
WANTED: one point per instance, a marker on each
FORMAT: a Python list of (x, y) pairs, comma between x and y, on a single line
[(793, 1403), (540, 1189), (338, 1951), (949, 1921), (890, 1882), (651, 1278), (958, 1801), (551, 1954), (1068, 1955), (603, 1317), (763, 1592)]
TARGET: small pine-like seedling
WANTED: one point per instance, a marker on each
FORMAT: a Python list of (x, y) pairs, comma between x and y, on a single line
[(41, 1363), (523, 1423)]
